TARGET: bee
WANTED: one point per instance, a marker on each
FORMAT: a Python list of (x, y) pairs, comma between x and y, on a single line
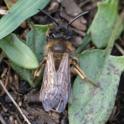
[(59, 62), (56, 87)]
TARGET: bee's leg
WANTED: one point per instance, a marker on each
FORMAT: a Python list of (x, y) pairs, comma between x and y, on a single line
[(40, 68), (81, 73)]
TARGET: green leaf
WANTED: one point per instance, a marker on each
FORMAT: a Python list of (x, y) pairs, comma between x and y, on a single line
[(102, 25), (18, 52), (93, 105), (19, 12), (117, 29), (105, 70), (36, 39)]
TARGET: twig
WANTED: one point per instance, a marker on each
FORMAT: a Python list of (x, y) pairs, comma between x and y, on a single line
[(14, 102), (120, 49), (2, 120), (83, 3)]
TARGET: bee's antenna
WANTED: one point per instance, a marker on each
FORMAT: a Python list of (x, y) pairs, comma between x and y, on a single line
[(45, 13), (78, 16)]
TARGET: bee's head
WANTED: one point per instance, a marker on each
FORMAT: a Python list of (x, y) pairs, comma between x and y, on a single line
[(60, 32)]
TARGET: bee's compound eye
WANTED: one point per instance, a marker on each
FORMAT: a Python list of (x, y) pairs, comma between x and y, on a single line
[(58, 48)]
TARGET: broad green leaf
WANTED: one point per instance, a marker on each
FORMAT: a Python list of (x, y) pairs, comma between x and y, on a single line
[(19, 12), (102, 25), (18, 52), (36, 40), (93, 105), (117, 29)]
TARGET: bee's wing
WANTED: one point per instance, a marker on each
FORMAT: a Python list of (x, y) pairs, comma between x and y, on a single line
[(56, 85), (63, 76), (48, 90)]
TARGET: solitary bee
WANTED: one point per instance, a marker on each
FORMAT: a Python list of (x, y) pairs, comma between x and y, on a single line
[(59, 62)]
